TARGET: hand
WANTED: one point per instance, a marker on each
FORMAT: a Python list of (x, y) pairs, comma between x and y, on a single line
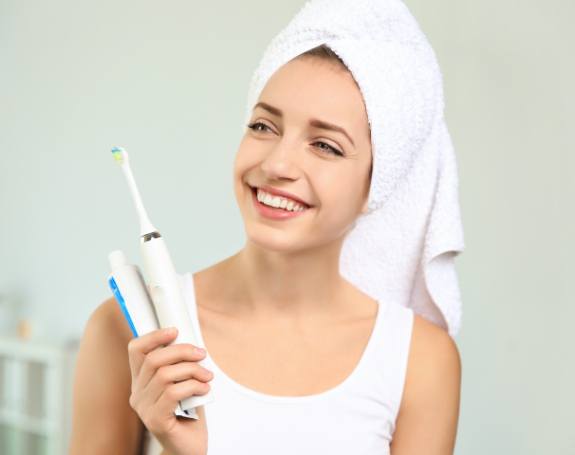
[(161, 376)]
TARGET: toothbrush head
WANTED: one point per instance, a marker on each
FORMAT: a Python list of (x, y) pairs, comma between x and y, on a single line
[(120, 155)]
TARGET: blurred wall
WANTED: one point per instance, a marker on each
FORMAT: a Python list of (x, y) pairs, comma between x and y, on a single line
[(168, 81)]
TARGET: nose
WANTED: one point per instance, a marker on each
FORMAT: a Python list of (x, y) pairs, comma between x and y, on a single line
[(280, 162)]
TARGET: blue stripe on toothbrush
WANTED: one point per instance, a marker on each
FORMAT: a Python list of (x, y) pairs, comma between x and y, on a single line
[(120, 300)]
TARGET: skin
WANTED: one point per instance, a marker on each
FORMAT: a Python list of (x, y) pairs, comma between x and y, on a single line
[(285, 281)]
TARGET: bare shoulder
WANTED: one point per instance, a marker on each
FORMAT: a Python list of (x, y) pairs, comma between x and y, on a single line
[(108, 316), (107, 329), (103, 421), (431, 347), (430, 401)]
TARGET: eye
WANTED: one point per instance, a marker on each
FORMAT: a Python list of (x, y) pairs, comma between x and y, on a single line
[(253, 126), (330, 150)]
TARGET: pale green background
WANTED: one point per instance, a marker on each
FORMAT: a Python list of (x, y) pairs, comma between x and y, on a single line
[(168, 81)]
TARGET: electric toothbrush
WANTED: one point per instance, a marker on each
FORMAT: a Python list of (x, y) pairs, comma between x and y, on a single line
[(164, 284)]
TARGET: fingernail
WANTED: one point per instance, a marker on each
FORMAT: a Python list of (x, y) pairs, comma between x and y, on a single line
[(200, 350), (170, 330)]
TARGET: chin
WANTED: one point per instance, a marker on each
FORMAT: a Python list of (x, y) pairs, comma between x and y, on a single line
[(271, 239)]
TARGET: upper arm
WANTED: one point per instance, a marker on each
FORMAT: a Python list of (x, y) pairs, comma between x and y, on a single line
[(429, 411), (103, 420)]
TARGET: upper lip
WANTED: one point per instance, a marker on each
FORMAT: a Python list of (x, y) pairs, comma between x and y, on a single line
[(276, 192)]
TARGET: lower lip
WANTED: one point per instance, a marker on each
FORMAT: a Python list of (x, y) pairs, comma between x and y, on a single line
[(272, 212)]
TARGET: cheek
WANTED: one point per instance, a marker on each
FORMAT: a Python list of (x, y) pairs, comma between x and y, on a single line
[(338, 199), (242, 163), (341, 194), (247, 156), (245, 161)]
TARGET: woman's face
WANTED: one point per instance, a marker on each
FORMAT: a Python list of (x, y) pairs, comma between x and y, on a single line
[(329, 170)]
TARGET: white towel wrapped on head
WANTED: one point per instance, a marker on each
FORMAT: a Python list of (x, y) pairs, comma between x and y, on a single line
[(403, 250)]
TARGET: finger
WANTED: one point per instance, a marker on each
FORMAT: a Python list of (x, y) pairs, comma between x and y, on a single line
[(169, 355), (167, 375), (169, 399), (139, 347), (179, 372)]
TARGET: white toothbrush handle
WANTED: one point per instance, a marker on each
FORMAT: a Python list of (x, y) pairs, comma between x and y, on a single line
[(171, 310)]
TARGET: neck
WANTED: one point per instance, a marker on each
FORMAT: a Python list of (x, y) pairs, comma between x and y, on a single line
[(294, 284)]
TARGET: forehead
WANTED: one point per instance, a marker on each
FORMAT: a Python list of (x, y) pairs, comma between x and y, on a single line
[(309, 87)]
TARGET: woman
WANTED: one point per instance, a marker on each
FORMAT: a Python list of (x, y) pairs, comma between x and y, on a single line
[(281, 324)]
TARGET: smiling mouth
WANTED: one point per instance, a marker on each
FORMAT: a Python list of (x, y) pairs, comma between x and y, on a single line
[(254, 191)]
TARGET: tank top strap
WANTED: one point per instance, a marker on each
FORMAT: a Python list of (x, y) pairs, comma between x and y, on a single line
[(384, 371), (189, 292)]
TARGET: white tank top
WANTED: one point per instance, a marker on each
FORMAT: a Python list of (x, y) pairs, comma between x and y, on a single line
[(355, 417)]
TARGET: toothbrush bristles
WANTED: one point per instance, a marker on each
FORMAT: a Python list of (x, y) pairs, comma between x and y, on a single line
[(119, 154)]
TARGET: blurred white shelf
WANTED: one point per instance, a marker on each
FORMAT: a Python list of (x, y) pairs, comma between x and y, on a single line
[(36, 379), (36, 425)]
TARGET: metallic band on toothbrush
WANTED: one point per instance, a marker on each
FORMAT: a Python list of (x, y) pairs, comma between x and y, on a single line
[(150, 236)]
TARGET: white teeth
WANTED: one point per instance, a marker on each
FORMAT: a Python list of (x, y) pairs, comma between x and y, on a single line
[(278, 202)]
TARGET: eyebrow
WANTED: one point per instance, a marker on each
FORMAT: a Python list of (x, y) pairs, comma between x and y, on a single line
[(313, 122)]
